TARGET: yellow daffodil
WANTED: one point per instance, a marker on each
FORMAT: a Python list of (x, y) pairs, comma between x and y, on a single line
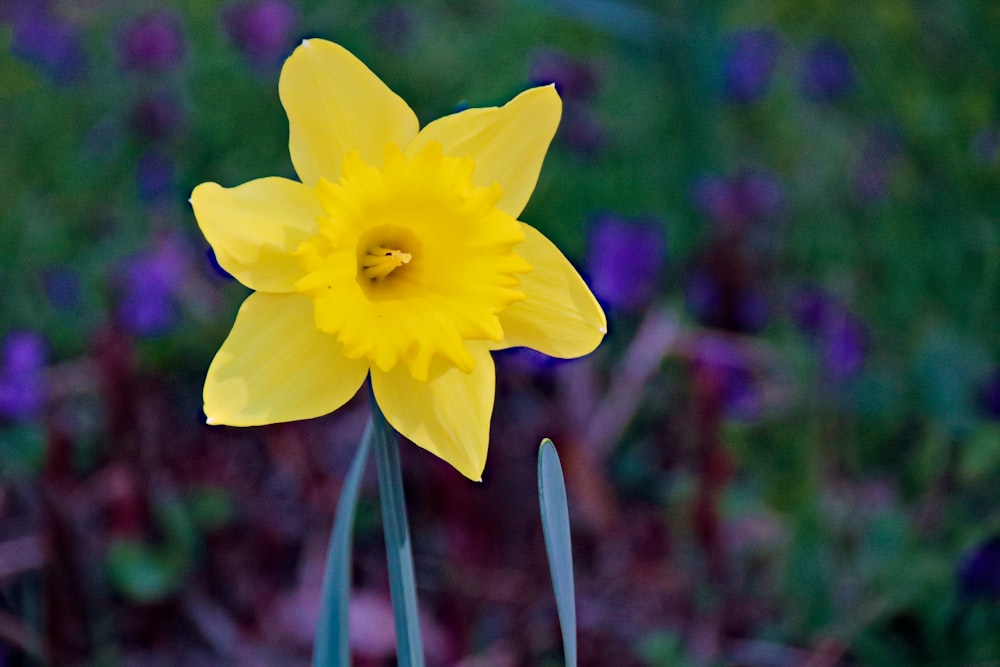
[(398, 256)]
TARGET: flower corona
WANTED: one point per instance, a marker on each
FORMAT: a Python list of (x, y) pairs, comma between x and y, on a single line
[(411, 260)]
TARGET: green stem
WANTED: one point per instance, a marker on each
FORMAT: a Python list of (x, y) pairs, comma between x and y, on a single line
[(332, 642), (402, 585)]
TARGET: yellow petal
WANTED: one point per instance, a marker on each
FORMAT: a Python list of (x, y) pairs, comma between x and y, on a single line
[(335, 104), (255, 227), (508, 143), (560, 317), (448, 415), (275, 366)]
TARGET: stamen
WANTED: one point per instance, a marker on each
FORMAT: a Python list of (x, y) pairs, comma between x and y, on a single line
[(380, 261)]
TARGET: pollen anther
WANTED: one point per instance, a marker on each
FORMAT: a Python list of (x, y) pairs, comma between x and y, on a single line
[(380, 261)]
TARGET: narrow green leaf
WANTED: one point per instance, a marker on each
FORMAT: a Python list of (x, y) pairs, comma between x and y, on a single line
[(332, 648), (402, 585), (555, 526)]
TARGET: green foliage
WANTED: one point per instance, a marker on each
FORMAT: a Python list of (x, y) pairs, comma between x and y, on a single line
[(145, 574), (664, 648), (149, 571), (22, 451), (555, 525)]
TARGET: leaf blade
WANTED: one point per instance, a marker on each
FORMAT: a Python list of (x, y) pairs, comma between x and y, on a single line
[(332, 646), (558, 546)]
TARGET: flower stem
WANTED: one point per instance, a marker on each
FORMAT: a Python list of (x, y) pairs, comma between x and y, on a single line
[(402, 585), (332, 642)]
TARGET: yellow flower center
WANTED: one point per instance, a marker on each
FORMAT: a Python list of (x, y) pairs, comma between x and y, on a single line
[(378, 262), (411, 261)]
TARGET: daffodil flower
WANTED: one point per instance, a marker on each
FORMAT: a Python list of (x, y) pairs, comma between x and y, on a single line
[(398, 256)]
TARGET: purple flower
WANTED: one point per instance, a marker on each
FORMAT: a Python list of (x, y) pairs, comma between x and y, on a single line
[(526, 361), (157, 116), (581, 131), (62, 287), (573, 79), (713, 197), (22, 381), (150, 285), (152, 43), (760, 194), (262, 30), (734, 202), (985, 146), (723, 299), (23, 352), (740, 392), (809, 308), (989, 396), (841, 338), (882, 147), (748, 64), (50, 44), (625, 261), (14, 11), (979, 571), (393, 27), (828, 74), (843, 346), (871, 183), (147, 314), (215, 267), (154, 175)]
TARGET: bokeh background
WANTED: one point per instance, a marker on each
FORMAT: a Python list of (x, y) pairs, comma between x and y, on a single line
[(787, 452)]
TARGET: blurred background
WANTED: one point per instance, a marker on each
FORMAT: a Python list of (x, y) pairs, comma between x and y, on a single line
[(787, 452)]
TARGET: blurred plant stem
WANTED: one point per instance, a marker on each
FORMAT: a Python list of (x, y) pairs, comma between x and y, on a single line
[(402, 585)]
